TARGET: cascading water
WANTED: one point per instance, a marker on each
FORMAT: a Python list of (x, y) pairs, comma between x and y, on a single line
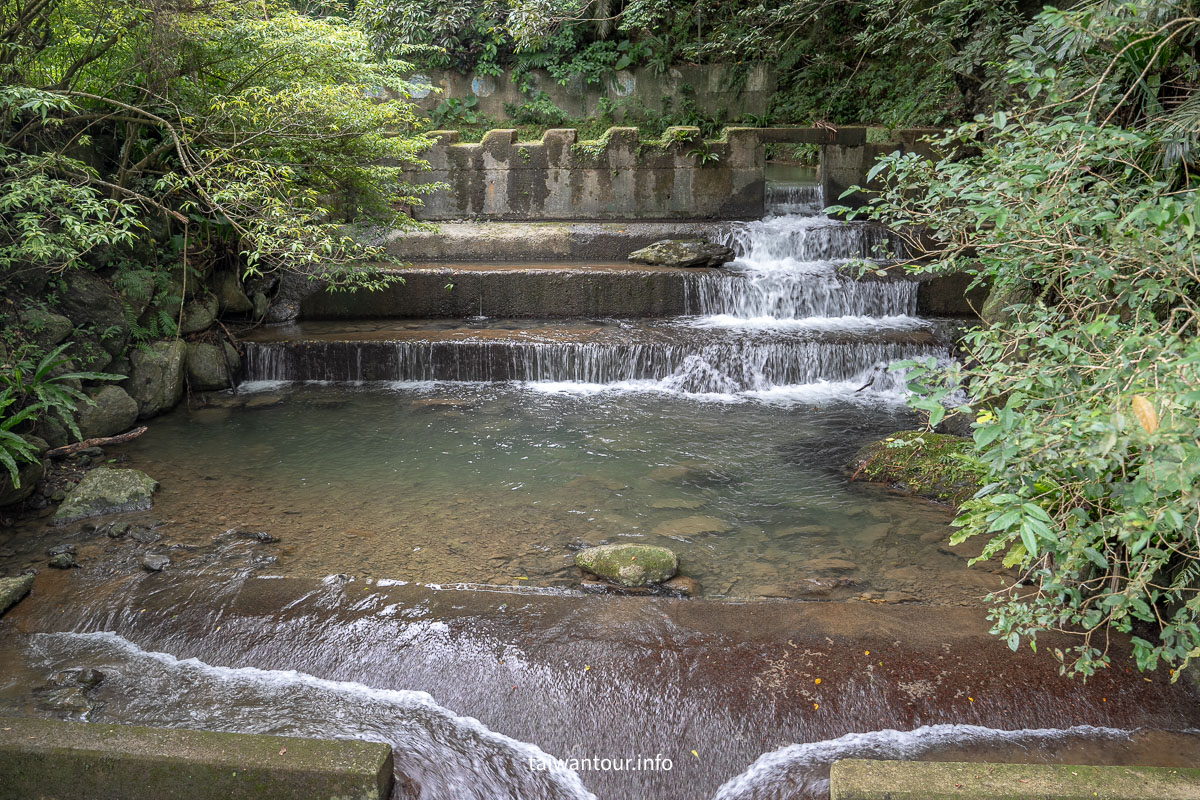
[(786, 316)]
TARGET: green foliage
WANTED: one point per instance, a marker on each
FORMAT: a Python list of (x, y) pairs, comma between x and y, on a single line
[(248, 122), (538, 110), (704, 154), (50, 215), (455, 111), (1078, 203), (30, 390)]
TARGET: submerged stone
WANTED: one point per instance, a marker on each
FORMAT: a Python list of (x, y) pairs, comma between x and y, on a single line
[(683, 253), (682, 586), (155, 562), (107, 491), (629, 564), (692, 526)]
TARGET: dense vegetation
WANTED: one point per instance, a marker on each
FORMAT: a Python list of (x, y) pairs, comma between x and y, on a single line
[(1076, 202), (150, 142), (891, 62)]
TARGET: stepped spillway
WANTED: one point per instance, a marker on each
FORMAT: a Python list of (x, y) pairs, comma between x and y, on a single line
[(675, 356), (787, 314)]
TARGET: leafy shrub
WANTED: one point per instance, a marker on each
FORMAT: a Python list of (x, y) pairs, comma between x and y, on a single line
[(1085, 386), (31, 390)]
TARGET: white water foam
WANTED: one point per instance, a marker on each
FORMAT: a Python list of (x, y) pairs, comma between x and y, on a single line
[(820, 393), (189, 677), (778, 774), (850, 324)]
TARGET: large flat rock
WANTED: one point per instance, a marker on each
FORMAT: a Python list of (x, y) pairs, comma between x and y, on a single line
[(48, 759)]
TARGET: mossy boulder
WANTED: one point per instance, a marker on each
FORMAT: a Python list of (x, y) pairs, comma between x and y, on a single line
[(683, 253), (90, 303), (629, 564), (156, 378), (208, 368), (935, 466), (46, 329), (13, 589), (198, 315), (112, 411), (107, 491), (231, 295)]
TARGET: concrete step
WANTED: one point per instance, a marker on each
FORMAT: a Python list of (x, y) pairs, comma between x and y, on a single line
[(856, 779), (59, 760), (516, 289), (550, 241), (590, 331), (679, 356), (564, 288)]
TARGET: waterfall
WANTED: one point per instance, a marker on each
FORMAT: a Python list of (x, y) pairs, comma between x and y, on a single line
[(786, 313)]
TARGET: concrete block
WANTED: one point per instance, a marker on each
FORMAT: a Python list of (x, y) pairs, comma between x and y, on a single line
[(921, 780), (53, 760)]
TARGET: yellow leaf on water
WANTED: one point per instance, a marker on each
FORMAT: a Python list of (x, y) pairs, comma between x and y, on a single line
[(697, 755), (1146, 413)]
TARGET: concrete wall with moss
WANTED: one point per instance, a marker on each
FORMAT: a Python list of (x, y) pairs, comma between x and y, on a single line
[(713, 89), (620, 176)]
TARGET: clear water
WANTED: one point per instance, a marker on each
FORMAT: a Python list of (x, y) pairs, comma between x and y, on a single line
[(500, 484)]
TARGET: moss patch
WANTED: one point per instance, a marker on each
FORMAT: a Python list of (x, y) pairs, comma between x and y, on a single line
[(629, 564), (936, 466)]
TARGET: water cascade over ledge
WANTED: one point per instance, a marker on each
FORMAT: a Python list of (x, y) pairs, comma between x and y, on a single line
[(788, 314)]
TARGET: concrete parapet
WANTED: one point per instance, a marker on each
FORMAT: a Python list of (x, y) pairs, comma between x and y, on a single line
[(922, 780), (54, 760), (620, 176)]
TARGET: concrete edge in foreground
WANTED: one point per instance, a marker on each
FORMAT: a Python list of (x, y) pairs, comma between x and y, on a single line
[(49, 759), (857, 779)]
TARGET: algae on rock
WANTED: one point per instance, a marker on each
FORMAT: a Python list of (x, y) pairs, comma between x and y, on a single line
[(107, 491), (936, 466), (629, 564)]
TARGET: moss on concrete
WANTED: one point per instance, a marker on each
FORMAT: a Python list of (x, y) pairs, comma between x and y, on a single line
[(935, 466), (49, 759), (856, 779)]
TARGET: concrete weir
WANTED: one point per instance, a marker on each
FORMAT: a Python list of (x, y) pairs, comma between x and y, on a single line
[(858, 779), (516, 290), (55, 760)]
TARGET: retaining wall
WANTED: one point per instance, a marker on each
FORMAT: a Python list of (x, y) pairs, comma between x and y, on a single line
[(620, 176)]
